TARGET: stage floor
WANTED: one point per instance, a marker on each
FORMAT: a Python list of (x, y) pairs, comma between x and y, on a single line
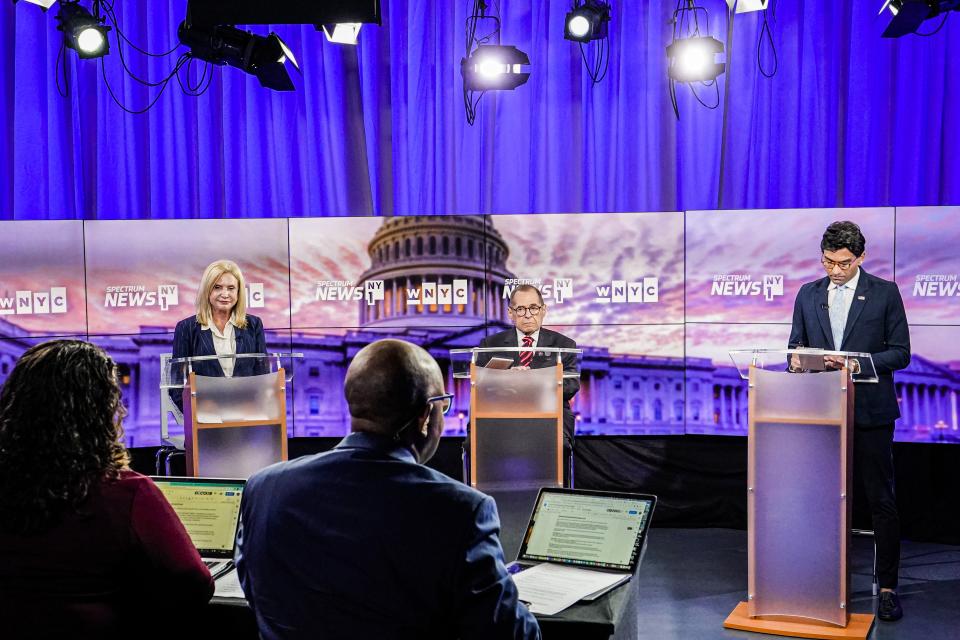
[(691, 579)]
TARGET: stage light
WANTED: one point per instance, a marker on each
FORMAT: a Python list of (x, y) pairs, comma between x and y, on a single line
[(342, 32), (748, 6), (694, 59), (82, 32), (211, 13), (265, 57), (908, 15), (46, 4), (587, 20), (493, 67)]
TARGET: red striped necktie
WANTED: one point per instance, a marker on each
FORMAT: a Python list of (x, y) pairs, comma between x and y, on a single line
[(526, 357)]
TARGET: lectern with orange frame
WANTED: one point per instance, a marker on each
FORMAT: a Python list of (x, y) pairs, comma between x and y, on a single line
[(516, 415), (234, 426), (798, 493)]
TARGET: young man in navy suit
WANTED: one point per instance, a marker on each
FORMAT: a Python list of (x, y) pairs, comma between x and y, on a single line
[(851, 310)]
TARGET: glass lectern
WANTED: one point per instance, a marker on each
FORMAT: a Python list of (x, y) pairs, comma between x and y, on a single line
[(800, 445)]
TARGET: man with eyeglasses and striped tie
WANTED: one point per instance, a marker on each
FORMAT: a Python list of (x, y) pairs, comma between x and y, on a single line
[(851, 310), (527, 311)]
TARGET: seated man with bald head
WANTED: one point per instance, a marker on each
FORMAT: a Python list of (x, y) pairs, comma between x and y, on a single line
[(364, 541)]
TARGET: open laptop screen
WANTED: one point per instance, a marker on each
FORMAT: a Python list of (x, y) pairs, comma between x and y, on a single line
[(593, 529), (209, 509)]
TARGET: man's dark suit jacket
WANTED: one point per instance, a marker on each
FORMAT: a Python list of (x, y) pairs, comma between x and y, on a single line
[(547, 338), (363, 542), (876, 324)]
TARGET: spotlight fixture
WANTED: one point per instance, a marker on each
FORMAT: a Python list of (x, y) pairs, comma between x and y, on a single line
[(210, 13), (908, 15), (265, 57), (694, 59), (342, 32), (587, 20), (46, 4), (748, 6), (691, 55), (494, 67), (83, 32), (487, 66)]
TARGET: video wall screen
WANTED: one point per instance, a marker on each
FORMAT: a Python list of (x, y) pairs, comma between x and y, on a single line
[(655, 300)]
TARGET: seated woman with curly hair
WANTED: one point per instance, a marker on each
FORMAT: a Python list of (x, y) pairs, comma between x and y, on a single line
[(86, 545)]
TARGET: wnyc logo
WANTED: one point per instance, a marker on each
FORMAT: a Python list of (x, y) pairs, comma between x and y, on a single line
[(558, 291), (741, 284), (137, 295), (931, 285), (344, 290), (255, 297), (456, 292), (645, 290), (53, 300)]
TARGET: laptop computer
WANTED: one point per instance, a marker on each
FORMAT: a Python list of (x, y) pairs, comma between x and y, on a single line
[(209, 509), (597, 530)]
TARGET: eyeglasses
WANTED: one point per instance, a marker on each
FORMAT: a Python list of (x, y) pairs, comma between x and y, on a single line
[(446, 400), (533, 310), (843, 264)]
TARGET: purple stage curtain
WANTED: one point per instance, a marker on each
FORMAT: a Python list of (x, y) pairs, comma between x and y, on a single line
[(849, 119)]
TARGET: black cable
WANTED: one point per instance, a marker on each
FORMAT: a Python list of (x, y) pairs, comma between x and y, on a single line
[(935, 31), (56, 71), (673, 97), (103, 72), (111, 14), (765, 29), (203, 82), (714, 84)]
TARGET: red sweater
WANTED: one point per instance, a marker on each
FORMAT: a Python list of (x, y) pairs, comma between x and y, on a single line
[(121, 556)]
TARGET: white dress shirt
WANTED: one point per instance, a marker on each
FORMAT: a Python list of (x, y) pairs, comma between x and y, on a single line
[(225, 344), (851, 288)]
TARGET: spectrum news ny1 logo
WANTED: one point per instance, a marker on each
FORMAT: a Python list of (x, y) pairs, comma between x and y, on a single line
[(166, 296), (936, 285), (372, 291), (741, 284)]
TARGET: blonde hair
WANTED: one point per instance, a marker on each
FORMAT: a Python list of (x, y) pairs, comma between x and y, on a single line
[(210, 276)]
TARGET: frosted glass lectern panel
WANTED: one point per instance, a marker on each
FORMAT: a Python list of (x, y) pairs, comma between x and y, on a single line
[(798, 481), (516, 454), (238, 452), (796, 527), (516, 392), (235, 399), (799, 396)]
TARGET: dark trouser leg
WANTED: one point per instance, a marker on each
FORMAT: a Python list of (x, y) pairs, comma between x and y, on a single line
[(873, 462)]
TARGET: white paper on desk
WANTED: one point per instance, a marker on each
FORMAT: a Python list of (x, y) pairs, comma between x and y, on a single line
[(228, 585), (209, 418), (551, 588)]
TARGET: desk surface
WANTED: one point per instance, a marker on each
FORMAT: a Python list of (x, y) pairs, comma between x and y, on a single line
[(582, 621)]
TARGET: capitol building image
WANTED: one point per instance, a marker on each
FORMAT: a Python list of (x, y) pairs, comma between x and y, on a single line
[(620, 393)]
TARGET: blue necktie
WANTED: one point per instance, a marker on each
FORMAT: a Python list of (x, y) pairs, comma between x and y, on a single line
[(838, 316)]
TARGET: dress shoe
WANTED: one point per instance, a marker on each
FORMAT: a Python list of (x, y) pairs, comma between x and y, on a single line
[(889, 609)]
